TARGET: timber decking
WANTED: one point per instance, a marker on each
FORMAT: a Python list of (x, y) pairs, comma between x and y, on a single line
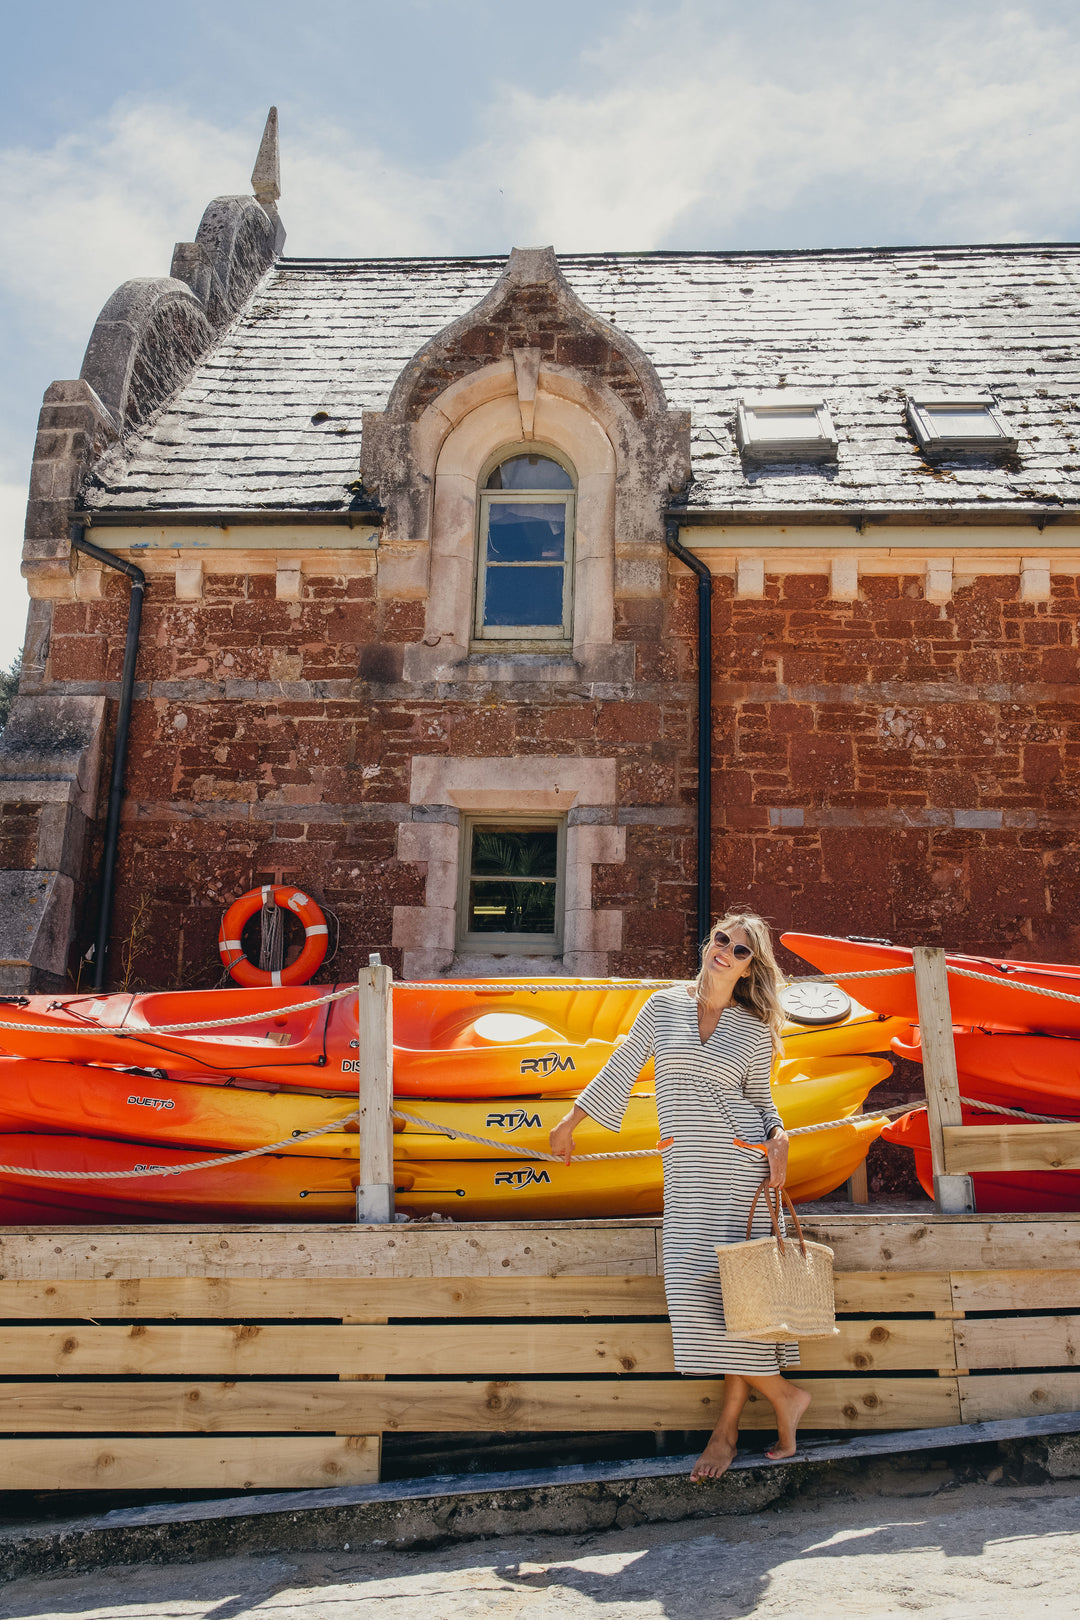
[(262, 1356)]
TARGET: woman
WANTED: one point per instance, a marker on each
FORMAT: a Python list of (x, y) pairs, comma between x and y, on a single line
[(714, 1043)]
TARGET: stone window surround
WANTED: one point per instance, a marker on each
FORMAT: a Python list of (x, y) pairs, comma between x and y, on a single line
[(457, 438), (442, 788)]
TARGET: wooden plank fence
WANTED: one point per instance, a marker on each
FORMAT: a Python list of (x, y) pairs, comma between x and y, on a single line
[(236, 1357)]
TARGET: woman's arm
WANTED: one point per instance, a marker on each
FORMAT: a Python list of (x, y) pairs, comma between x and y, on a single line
[(562, 1137), (606, 1096), (757, 1088)]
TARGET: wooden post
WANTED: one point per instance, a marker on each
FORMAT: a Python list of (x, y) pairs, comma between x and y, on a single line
[(953, 1195), (858, 1187), (375, 1066)]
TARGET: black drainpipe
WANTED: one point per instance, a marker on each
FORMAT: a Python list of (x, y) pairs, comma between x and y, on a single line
[(120, 741), (704, 745)]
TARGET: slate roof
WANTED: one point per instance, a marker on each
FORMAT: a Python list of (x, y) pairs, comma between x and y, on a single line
[(861, 326)]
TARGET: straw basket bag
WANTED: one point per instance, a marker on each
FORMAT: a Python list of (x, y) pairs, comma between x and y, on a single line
[(773, 1290)]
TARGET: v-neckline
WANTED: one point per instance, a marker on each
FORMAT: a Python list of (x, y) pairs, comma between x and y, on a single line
[(703, 1043)]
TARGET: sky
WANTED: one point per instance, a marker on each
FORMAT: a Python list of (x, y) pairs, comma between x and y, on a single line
[(471, 126)]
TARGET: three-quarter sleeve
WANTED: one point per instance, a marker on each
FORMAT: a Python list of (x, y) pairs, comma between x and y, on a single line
[(757, 1087), (606, 1096)]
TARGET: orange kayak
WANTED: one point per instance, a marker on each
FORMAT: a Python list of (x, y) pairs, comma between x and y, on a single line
[(1015, 1192), (1040, 1073), (76, 1099), (1011, 1002), (271, 1188)]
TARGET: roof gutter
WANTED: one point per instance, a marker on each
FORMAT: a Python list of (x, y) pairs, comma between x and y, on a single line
[(704, 727), (120, 741), (197, 518), (861, 519)]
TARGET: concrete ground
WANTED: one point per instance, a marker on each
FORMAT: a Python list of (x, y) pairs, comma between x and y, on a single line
[(898, 1543)]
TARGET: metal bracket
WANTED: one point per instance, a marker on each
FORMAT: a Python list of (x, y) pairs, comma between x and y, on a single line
[(375, 1204), (954, 1195)]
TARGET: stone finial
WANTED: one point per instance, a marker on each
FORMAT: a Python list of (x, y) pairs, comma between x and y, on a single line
[(266, 175)]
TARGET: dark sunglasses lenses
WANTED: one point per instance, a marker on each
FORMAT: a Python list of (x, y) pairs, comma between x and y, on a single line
[(741, 953)]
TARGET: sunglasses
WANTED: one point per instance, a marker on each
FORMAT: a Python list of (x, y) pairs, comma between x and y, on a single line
[(741, 953)]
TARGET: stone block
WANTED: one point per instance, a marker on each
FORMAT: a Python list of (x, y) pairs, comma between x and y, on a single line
[(844, 579), (53, 742), (290, 579), (938, 580), (588, 930), (1035, 579), (189, 579), (424, 928), (36, 913), (750, 577)]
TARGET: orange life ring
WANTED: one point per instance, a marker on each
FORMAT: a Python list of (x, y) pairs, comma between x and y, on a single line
[(242, 910)]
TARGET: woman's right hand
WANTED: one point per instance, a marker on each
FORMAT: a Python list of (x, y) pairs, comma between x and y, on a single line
[(562, 1137)]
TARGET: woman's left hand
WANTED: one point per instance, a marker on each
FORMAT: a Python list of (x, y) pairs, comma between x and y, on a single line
[(776, 1149)]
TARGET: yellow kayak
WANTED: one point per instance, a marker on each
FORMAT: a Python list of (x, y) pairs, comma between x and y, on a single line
[(509, 1190), (806, 1093)]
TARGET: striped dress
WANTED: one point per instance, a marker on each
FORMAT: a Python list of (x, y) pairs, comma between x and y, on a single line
[(706, 1095)]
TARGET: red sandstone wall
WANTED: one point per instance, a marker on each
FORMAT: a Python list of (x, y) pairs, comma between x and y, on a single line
[(882, 721), (890, 723)]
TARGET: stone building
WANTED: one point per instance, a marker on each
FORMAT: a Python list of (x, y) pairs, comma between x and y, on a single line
[(427, 546)]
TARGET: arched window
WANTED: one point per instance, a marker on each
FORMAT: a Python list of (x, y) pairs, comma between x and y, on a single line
[(524, 575)]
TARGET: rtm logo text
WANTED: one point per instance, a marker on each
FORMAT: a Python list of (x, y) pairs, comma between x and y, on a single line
[(514, 1120), (550, 1063), (522, 1178)]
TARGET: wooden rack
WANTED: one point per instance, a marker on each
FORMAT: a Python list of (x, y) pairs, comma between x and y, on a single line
[(957, 1150), (233, 1357)]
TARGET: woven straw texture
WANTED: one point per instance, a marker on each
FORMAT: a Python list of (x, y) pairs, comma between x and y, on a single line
[(777, 1295)]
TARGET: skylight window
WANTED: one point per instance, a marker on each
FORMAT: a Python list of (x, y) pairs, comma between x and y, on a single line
[(783, 427), (958, 424)]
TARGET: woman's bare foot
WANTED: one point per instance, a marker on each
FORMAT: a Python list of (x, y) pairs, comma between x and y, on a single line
[(789, 1414), (715, 1460)]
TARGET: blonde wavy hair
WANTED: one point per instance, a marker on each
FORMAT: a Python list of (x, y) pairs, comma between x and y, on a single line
[(759, 990)]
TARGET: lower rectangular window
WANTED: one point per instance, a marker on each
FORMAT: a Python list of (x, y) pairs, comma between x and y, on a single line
[(511, 894)]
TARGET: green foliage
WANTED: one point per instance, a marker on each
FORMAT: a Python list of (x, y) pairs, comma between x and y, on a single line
[(9, 686)]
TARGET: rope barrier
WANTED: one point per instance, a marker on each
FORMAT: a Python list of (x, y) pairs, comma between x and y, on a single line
[(513, 1151), (174, 1169), (1016, 1113), (535, 988)]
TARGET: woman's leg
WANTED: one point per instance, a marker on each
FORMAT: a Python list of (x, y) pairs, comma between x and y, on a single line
[(719, 1454), (788, 1401)]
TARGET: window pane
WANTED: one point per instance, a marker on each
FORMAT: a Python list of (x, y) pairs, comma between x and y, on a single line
[(530, 472), (525, 596), (783, 423), (518, 532), (514, 851), (500, 907), (962, 422)]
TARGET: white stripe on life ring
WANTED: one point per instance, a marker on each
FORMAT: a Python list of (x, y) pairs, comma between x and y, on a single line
[(275, 978), (316, 928), (229, 945)]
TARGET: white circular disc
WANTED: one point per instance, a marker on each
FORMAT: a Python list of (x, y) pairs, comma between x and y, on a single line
[(815, 1003)]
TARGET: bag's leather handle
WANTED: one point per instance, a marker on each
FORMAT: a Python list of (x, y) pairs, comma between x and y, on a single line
[(782, 1197)]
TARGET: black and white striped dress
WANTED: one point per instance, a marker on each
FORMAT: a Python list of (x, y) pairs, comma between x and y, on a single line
[(707, 1094)]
